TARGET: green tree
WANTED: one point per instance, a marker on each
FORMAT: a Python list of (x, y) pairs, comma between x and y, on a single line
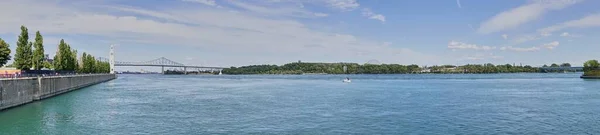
[(73, 59), (58, 59), (65, 59), (84, 65), (4, 52), (56, 63), (38, 53), (10, 65), (23, 55), (565, 65), (88, 63), (591, 65), (554, 65), (48, 65)]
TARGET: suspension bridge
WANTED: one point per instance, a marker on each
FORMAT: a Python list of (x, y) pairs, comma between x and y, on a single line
[(159, 62)]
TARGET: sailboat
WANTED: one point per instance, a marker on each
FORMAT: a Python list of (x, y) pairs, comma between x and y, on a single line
[(347, 80)]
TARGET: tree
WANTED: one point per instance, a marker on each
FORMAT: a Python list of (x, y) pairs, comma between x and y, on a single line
[(65, 59), (565, 65), (48, 65), (74, 63), (554, 65), (10, 65), (4, 52), (89, 64), (84, 68), (23, 55), (545, 65), (58, 61), (591, 65), (38, 54)]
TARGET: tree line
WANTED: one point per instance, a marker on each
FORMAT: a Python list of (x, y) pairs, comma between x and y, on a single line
[(28, 58), (354, 68), (591, 68), (556, 65)]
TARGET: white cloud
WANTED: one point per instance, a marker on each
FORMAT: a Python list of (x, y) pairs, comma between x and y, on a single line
[(340, 5), (523, 14), (215, 30), (343, 4), (205, 2), (482, 56), (525, 38), (549, 46), (497, 57), (368, 13), (504, 36), (471, 26), (281, 9), (458, 4), (518, 49), (321, 14), (461, 45), (545, 34), (567, 34), (474, 58), (585, 22)]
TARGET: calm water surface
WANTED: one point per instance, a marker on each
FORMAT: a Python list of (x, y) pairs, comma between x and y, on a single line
[(318, 104)]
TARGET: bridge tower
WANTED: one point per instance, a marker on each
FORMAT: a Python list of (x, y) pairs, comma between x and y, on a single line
[(112, 59)]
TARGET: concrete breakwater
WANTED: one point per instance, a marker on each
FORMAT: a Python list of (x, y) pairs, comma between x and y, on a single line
[(14, 92)]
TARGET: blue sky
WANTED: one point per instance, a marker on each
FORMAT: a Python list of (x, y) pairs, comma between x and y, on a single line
[(243, 32)]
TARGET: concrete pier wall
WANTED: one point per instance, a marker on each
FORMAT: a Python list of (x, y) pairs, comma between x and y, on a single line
[(14, 92)]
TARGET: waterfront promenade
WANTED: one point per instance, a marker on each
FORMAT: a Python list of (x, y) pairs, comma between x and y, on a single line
[(19, 91)]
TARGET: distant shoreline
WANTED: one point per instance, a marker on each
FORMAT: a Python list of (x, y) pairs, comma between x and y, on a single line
[(418, 73)]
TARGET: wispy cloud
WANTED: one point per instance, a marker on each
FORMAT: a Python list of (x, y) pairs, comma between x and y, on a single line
[(286, 10), (371, 15), (216, 30), (504, 36), (520, 49), (471, 27), (458, 4), (549, 46), (525, 38), (461, 45), (523, 14), (481, 56), (205, 2), (585, 22), (343, 4)]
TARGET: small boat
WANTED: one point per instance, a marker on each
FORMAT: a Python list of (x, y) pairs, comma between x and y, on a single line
[(347, 80)]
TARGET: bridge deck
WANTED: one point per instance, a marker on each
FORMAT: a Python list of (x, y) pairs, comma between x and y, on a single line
[(152, 65)]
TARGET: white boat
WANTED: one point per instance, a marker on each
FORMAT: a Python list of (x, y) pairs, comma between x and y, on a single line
[(347, 80)]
